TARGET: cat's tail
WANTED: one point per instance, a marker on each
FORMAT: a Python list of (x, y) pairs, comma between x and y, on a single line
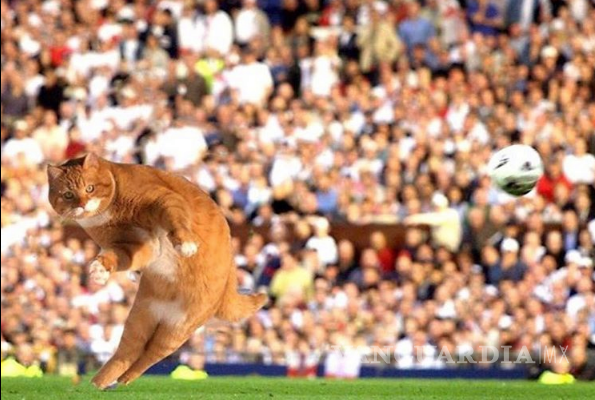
[(236, 306)]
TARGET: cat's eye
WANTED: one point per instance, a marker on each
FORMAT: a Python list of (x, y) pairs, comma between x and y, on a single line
[(68, 195), (90, 189)]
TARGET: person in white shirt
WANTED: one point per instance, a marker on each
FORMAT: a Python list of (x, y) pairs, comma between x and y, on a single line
[(251, 22), (22, 147), (185, 145), (217, 28), (325, 69), (189, 28), (252, 80), (323, 243), (579, 167), (286, 167)]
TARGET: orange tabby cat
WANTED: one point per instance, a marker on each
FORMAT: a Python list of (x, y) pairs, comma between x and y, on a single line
[(172, 232)]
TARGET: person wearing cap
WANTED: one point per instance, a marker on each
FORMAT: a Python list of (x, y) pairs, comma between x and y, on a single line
[(509, 267), (445, 222)]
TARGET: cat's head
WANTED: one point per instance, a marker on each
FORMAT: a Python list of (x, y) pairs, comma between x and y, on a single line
[(81, 188)]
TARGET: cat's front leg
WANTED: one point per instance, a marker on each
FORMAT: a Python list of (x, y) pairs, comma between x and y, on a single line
[(183, 243), (103, 265), (121, 257), (174, 216)]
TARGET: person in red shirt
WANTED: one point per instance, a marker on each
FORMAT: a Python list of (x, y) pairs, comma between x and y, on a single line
[(75, 145), (60, 50), (333, 13), (552, 177), (386, 256)]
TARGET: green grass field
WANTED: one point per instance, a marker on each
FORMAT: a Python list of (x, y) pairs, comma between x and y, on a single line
[(280, 388)]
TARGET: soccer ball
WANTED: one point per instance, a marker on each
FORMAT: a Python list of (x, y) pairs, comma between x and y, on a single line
[(516, 169)]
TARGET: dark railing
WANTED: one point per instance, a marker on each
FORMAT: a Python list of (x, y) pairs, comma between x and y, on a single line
[(359, 235)]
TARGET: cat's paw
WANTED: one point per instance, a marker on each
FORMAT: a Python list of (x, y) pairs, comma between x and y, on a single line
[(187, 249), (98, 273)]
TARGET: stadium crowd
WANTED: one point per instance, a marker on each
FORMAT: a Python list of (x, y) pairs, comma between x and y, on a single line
[(300, 116)]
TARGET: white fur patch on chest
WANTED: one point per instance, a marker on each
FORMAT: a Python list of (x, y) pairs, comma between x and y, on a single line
[(167, 312), (92, 205), (165, 263), (96, 220)]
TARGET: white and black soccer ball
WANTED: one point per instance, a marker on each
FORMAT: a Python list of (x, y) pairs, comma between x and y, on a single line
[(516, 169)]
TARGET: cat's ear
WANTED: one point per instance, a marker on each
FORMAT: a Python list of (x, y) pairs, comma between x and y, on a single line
[(91, 161), (54, 172)]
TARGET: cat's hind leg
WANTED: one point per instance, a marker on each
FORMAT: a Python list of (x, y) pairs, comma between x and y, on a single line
[(168, 337), (138, 329)]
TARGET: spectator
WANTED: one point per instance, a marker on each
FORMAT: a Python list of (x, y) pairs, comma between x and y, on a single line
[(415, 29), (69, 356), (324, 244), (580, 166), (526, 12), (22, 147), (322, 69), (156, 57), (509, 267), (552, 177), (348, 40), (193, 86), (484, 17), (344, 362), (346, 263), (14, 99), (164, 30), (450, 22), (24, 365), (251, 79), (251, 23), (51, 94), (218, 29), (385, 254), (131, 48), (445, 222), (51, 137), (326, 196), (378, 41), (291, 280)]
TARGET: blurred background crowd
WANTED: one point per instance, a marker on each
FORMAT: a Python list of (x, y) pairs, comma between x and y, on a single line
[(302, 117)]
